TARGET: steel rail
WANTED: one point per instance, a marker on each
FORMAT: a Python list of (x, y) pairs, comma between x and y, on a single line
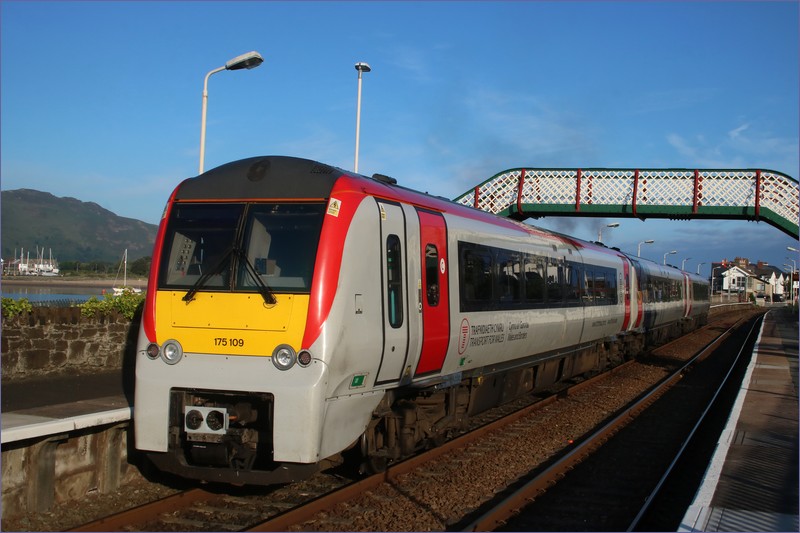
[(511, 505), (654, 493), (147, 512)]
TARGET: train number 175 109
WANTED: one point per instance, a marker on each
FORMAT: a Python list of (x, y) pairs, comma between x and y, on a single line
[(224, 341)]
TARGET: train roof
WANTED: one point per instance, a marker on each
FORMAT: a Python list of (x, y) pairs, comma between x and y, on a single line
[(262, 177)]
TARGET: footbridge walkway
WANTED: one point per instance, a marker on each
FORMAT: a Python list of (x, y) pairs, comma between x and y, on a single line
[(748, 194)]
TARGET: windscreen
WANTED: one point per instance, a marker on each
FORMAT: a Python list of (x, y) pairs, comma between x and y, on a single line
[(241, 247)]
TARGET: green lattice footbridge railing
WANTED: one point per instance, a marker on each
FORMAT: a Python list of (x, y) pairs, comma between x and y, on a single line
[(750, 194)]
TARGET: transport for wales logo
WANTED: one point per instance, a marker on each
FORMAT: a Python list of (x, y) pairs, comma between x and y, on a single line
[(463, 337)]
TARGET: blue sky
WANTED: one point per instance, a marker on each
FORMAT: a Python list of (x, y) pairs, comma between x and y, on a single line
[(101, 101)]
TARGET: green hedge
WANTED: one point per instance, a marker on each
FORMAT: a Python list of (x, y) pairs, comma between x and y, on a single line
[(127, 304)]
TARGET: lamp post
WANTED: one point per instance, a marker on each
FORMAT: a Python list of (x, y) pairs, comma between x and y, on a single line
[(698, 267), (712, 278), (683, 263), (244, 61), (600, 230), (791, 280), (639, 248), (669, 253), (360, 67), (793, 266)]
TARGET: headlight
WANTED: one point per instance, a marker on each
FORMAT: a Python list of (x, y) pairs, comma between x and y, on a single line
[(194, 419), (215, 420), (284, 357), (171, 352)]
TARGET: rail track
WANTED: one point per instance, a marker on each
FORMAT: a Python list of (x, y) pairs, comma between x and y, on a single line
[(459, 485), (645, 477)]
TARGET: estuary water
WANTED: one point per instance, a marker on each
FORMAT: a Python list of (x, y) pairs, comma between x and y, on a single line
[(54, 291)]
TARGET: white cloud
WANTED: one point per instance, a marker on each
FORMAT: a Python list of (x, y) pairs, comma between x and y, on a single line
[(735, 133), (745, 146)]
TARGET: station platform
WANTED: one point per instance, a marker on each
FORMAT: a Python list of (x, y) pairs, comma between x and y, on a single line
[(752, 481), (54, 405)]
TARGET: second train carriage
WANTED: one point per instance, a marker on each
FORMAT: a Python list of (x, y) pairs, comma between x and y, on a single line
[(296, 310)]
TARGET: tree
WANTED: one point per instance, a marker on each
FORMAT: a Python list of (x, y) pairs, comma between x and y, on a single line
[(140, 267)]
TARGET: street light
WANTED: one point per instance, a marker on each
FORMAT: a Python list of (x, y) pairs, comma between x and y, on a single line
[(600, 230), (244, 61), (791, 281), (669, 253), (712, 278), (698, 267), (794, 269), (639, 248), (360, 67), (683, 263)]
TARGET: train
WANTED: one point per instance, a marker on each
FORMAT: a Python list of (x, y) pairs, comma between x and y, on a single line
[(300, 316)]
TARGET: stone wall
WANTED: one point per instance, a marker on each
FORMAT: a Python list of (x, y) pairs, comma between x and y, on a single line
[(53, 340)]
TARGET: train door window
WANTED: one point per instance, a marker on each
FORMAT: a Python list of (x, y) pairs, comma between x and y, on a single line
[(432, 274), (394, 283)]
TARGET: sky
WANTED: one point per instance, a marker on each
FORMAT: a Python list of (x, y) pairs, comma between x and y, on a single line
[(101, 101)]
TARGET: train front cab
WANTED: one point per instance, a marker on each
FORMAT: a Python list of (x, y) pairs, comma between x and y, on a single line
[(232, 292)]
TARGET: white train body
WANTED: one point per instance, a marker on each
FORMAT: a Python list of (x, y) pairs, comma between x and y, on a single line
[(381, 319)]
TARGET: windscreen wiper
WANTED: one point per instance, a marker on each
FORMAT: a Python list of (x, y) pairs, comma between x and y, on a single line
[(263, 289), (203, 279)]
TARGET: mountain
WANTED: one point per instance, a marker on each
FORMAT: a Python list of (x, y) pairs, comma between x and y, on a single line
[(74, 230)]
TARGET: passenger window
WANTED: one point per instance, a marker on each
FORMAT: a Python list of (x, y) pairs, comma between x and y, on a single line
[(477, 278), (534, 279), (508, 284), (432, 275), (394, 280)]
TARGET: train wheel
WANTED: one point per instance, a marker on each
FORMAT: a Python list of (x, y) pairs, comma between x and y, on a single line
[(371, 462), (376, 465)]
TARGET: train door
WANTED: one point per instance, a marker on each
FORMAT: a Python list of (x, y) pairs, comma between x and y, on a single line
[(394, 280), (433, 292), (626, 291), (687, 295), (639, 285)]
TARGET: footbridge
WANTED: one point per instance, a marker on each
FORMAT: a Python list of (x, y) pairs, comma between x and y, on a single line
[(681, 194)]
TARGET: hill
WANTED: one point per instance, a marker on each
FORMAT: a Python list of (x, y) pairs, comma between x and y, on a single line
[(74, 230)]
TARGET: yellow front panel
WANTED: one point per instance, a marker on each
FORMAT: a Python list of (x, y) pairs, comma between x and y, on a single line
[(231, 323)]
